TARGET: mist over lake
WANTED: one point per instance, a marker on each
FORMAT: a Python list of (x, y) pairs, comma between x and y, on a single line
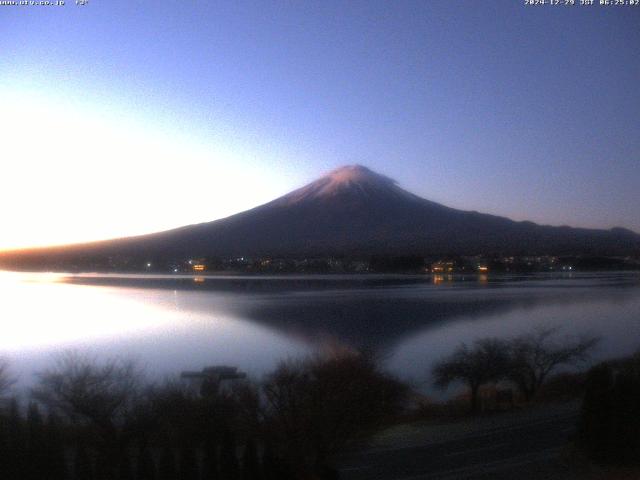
[(174, 323)]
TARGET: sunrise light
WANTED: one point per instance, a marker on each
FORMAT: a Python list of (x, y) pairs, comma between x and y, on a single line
[(88, 172)]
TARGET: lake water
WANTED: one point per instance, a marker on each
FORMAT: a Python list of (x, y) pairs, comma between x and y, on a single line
[(175, 323)]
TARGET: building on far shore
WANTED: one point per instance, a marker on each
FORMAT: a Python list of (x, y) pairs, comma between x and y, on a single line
[(443, 267)]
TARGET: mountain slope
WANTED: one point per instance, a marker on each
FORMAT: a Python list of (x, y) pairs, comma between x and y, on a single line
[(351, 211)]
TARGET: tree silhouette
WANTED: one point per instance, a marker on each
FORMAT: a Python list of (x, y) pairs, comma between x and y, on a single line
[(609, 428), (56, 462), (626, 418), (83, 389), (250, 461), (36, 467), (318, 406), (16, 456), (486, 361), (83, 466), (533, 356), (97, 395), (4, 445), (125, 470), (210, 460), (167, 469), (146, 467), (229, 468), (273, 466), (5, 379), (188, 464)]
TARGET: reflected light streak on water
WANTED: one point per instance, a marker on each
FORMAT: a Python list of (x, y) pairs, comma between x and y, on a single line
[(166, 331), (172, 324), (39, 311)]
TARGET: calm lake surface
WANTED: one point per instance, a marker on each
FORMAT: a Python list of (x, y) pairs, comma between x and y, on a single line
[(175, 323)]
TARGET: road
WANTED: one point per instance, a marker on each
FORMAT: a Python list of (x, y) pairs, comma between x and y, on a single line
[(525, 449)]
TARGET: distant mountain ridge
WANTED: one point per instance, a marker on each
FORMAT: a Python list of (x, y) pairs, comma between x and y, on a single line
[(352, 211)]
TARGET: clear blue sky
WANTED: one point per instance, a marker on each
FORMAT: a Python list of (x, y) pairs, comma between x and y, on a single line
[(210, 108)]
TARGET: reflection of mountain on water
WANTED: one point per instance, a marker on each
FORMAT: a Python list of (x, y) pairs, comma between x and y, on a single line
[(373, 311), (381, 321)]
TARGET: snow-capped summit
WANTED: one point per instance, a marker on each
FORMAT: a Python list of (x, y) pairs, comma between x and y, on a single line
[(350, 181)]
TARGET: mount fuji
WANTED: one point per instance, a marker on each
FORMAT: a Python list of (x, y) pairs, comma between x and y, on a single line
[(350, 211)]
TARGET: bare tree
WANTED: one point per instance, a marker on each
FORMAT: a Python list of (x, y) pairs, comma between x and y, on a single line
[(475, 366), (83, 389), (315, 407), (5, 379), (535, 355), (99, 395)]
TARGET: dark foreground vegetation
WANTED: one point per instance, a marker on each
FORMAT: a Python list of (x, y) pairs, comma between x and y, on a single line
[(88, 420), (103, 422), (519, 371), (609, 429), (523, 362)]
